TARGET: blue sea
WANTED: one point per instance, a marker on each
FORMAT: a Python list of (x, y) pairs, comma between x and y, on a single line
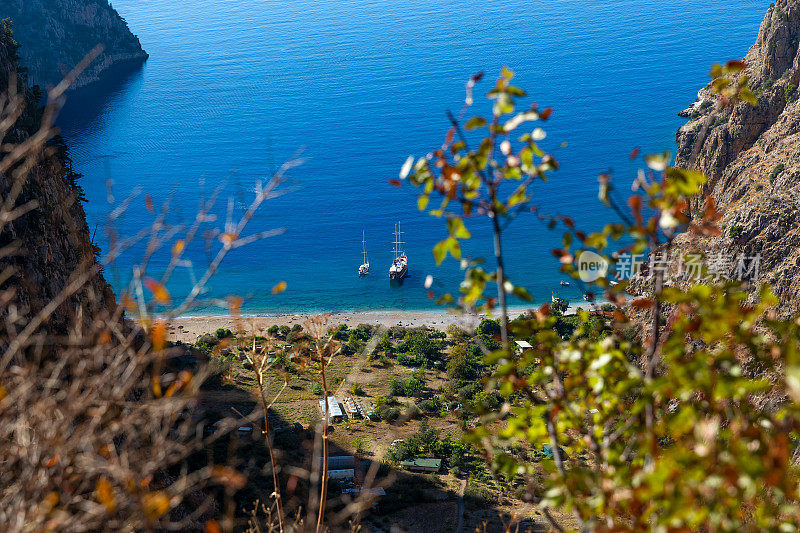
[(233, 89)]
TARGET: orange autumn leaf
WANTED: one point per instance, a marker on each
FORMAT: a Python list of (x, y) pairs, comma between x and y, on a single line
[(184, 379), (157, 387), (105, 494), (228, 476), (129, 303), (53, 461), (156, 504), (235, 305), (228, 238), (51, 500), (212, 526), (279, 288), (158, 335), (642, 303), (178, 247), (160, 293), (105, 451)]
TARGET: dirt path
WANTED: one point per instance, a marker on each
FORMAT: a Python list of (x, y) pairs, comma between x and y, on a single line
[(460, 522)]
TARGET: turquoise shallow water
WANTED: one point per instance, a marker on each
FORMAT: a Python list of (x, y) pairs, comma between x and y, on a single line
[(233, 88)]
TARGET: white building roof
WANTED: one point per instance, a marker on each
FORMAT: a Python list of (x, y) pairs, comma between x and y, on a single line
[(523, 344), (333, 407)]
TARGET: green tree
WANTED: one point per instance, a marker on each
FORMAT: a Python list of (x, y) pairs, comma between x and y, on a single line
[(488, 329), (419, 344), (462, 364)]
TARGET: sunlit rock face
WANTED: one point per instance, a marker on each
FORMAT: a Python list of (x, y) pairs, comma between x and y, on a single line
[(751, 155), (56, 34)]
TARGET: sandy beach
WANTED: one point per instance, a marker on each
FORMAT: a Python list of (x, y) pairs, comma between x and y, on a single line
[(188, 329)]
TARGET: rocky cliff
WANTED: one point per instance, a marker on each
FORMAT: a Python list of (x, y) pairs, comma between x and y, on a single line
[(56, 34), (47, 241), (751, 155)]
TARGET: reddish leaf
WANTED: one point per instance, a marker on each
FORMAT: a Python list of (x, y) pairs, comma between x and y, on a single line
[(160, 292), (279, 288), (228, 476), (642, 303), (159, 336)]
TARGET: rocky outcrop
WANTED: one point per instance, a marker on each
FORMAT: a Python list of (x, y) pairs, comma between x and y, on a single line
[(44, 248), (751, 155), (55, 35)]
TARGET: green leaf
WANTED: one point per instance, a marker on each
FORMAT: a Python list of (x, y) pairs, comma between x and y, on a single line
[(522, 293), (422, 201), (747, 96), (457, 229), (440, 252), (518, 197), (474, 123)]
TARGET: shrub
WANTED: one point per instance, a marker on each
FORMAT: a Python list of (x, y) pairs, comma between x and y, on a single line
[(340, 333), (735, 232), (389, 414), (462, 364), (316, 388), (223, 333), (410, 360), (397, 387), (775, 172), (414, 387), (412, 411), (206, 343), (488, 329), (419, 347), (357, 389), (433, 405), (479, 495)]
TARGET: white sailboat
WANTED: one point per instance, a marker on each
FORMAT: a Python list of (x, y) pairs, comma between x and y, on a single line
[(363, 270), (399, 268)]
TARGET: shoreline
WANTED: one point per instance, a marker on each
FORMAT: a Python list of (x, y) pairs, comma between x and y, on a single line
[(188, 329)]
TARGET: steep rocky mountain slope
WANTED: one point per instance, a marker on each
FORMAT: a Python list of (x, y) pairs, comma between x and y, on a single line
[(56, 34), (751, 155), (42, 249)]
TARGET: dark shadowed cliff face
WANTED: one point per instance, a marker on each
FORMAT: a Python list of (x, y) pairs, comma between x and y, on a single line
[(752, 158), (56, 34), (49, 246)]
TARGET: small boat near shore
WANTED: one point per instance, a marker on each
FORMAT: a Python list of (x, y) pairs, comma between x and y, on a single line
[(363, 270), (399, 268)]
